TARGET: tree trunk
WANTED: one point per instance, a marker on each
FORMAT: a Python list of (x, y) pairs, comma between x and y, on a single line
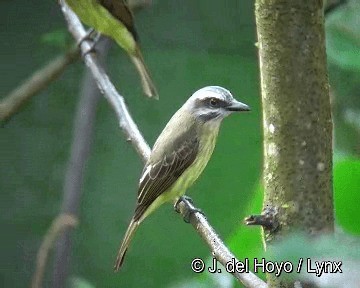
[(296, 118)]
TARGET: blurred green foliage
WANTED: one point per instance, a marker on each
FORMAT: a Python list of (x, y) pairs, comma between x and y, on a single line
[(304, 251), (187, 45), (76, 282), (247, 242), (346, 187), (343, 49), (59, 38), (343, 36)]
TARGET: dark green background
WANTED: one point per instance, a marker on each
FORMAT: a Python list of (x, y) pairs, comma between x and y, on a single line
[(187, 45)]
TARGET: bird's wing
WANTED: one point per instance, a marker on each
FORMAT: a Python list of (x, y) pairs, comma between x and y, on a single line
[(158, 177), (121, 11)]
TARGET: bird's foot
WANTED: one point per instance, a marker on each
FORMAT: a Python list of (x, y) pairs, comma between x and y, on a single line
[(189, 210), (187, 198), (181, 199), (91, 36)]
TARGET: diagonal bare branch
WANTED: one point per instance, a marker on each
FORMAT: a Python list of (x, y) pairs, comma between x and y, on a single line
[(117, 101), (217, 246), (39, 80), (133, 135)]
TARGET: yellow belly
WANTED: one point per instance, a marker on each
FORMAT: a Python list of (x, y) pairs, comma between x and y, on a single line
[(189, 176)]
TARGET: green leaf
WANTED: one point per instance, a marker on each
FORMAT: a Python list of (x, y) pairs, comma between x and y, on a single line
[(347, 196), (246, 241)]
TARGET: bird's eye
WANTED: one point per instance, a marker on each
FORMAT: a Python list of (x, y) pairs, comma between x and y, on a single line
[(214, 102)]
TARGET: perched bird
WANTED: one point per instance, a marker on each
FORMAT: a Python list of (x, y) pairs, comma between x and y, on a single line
[(180, 154), (114, 19)]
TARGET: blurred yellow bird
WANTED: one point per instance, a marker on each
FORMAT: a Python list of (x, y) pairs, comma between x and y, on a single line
[(114, 19)]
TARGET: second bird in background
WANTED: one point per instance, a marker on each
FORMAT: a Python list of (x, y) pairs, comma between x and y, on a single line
[(114, 18)]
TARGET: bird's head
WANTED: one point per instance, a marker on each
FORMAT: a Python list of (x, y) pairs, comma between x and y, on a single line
[(213, 103)]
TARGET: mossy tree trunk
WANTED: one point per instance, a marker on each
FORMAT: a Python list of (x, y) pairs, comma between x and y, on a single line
[(296, 118)]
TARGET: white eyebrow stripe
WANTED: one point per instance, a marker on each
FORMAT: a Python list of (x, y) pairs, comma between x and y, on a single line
[(205, 94)]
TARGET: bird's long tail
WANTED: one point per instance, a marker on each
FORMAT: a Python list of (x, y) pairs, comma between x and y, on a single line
[(146, 81), (130, 232)]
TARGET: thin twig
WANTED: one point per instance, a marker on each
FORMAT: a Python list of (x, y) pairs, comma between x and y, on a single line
[(126, 122), (217, 246), (61, 222), (80, 151), (39, 80), (83, 130), (133, 134)]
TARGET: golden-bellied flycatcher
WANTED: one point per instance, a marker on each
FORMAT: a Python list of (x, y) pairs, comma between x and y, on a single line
[(114, 19), (180, 154)]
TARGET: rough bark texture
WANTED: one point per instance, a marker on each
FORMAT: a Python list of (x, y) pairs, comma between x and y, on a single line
[(296, 118)]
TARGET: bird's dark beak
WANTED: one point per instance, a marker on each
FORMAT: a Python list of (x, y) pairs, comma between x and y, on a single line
[(237, 106)]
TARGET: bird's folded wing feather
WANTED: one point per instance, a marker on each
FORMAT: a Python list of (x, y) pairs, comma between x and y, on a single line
[(121, 11), (158, 177)]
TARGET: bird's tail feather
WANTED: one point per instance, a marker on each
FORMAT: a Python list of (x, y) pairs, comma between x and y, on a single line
[(130, 232), (146, 81)]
